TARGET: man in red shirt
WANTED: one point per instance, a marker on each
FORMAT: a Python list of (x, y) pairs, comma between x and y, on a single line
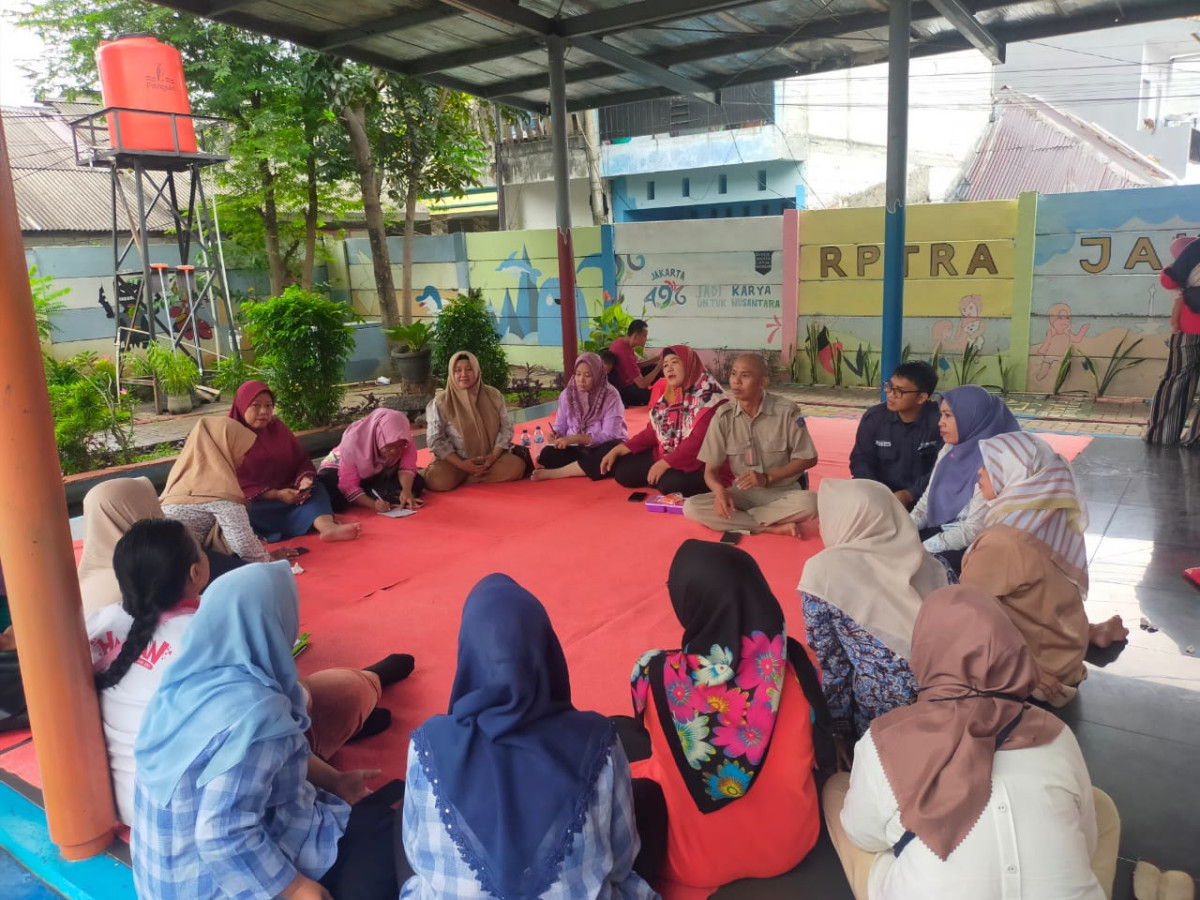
[(630, 376), (1173, 399)]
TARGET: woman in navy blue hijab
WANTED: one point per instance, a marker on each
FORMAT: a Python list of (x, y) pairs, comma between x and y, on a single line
[(514, 793), (951, 513)]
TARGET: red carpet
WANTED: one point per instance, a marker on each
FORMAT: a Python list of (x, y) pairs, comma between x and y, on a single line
[(597, 562)]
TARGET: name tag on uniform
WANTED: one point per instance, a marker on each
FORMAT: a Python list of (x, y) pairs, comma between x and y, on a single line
[(749, 457), (925, 445), (800, 421), (883, 443)]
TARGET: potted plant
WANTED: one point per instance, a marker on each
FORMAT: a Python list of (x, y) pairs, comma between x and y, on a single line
[(175, 373), (411, 357)]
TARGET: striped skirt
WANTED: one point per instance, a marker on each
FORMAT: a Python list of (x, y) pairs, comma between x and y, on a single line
[(1173, 399)]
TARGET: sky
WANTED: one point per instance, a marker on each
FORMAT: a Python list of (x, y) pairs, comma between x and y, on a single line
[(16, 46)]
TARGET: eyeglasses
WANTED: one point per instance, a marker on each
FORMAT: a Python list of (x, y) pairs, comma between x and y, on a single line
[(894, 391)]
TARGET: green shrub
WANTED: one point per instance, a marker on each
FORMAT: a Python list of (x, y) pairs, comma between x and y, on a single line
[(175, 371), (46, 304), (301, 341), (92, 415), (232, 372), (414, 338), (611, 324), (465, 323)]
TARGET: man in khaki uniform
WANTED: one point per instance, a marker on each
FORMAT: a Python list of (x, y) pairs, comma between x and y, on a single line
[(763, 438)]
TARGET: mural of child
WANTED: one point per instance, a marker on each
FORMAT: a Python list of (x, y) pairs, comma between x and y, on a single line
[(970, 323), (1059, 338), (967, 330)]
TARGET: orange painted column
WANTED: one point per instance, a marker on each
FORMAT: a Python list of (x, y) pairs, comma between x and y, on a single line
[(39, 569)]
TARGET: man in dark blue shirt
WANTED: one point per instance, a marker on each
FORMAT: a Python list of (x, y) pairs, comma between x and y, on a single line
[(898, 441)]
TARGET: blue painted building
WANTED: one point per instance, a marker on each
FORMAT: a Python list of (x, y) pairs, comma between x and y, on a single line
[(683, 159)]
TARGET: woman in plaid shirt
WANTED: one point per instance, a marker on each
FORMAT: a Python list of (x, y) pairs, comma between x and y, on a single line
[(223, 807)]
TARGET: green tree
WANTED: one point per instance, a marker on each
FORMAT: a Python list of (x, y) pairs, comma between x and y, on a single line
[(439, 149), (408, 139), (265, 87)]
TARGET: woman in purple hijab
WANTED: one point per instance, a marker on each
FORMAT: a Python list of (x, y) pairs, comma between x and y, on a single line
[(950, 515), (589, 422)]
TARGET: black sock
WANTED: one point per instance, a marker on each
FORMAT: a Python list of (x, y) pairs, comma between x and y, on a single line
[(392, 668), (376, 723)]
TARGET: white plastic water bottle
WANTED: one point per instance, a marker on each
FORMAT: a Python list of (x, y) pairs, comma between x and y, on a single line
[(538, 437), (525, 437)]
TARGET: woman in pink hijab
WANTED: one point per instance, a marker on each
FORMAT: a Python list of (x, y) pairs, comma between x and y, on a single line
[(374, 466)]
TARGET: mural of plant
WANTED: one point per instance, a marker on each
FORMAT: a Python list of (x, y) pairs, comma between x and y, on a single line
[(1007, 375), (969, 368), (1064, 370), (839, 360), (812, 350), (868, 366), (1119, 362)]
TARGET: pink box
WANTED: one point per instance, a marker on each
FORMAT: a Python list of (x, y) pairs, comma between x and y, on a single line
[(666, 503)]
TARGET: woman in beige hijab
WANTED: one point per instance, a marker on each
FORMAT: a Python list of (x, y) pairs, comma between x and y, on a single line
[(469, 431), (861, 596), (970, 792), (203, 491), (109, 509)]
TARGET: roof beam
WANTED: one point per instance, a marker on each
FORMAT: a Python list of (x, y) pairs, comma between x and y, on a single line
[(652, 71), (376, 27), (646, 12), (968, 26), (731, 46), (446, 61), (506, 12)]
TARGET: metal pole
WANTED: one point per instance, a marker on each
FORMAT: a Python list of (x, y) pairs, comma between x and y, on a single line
[(899, 22), (39, 569), (144, 250), (500, 210), (562, 191)]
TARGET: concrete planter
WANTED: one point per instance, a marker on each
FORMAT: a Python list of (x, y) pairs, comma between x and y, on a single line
[(177, 404), (412, 368)]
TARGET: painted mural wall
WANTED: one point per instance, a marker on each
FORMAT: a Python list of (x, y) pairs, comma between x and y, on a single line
[(709, 284), (517, 271), (1096, 290), (960, 260), (439, 272), (85, 272)]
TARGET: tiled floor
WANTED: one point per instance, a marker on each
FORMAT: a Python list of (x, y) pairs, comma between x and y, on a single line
[(1137, 716), (19, 884)]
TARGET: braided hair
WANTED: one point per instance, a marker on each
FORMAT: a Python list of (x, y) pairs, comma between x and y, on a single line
[(152, 562)]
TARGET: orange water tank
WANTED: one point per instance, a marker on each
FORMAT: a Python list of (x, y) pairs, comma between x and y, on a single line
[(140, 72)]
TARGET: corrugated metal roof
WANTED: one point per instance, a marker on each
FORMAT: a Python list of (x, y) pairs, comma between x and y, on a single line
[(54, 194), (620, 51), (1031, 146)]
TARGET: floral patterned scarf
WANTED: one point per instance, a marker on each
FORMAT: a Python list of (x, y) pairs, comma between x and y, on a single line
[(718, 695), (674, 415)]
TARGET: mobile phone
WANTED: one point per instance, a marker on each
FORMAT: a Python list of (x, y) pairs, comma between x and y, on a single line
[(637, 496), (731, 537), (299, 551)]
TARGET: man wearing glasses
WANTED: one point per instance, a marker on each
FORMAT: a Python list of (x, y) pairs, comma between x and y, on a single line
[(898, 441)]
